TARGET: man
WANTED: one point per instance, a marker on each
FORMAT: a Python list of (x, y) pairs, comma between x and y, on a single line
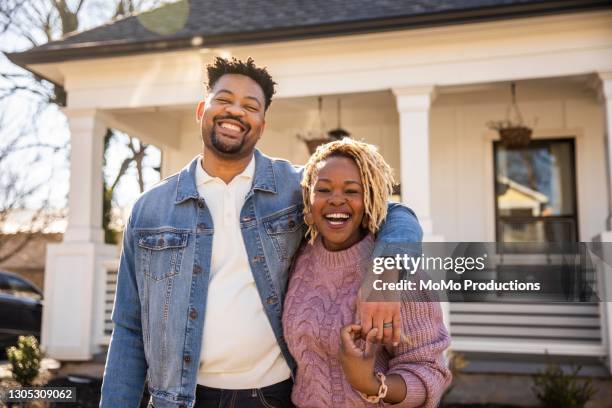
[(205, 262)]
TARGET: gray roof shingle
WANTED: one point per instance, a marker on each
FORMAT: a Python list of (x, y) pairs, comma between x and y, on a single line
[(214, 17), (240, 21)]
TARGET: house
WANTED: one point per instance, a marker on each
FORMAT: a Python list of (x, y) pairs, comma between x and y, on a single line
[(418, 79), (24, 235), (29, 261)]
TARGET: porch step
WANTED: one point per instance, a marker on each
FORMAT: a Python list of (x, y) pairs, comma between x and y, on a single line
[(572, 329)]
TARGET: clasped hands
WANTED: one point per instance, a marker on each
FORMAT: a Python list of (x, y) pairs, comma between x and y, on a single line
[(358, 363), (380, 325)]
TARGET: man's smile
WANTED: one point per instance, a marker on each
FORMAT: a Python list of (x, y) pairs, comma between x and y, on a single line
[(230, 127)]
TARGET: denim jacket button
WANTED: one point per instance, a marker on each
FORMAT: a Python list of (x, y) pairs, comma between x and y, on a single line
[(291, 224), (271, 300), (197, 269), (160, 241), (193, 314), (201, 203), (201, 227), (187, 359)]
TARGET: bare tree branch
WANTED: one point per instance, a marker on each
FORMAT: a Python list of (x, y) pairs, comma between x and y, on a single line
[(68, 18), (138, 154), (35, 22), (8, 9), (78, 7)]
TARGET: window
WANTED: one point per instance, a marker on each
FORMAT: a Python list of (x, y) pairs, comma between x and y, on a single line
[(20, 288), (535, 193)]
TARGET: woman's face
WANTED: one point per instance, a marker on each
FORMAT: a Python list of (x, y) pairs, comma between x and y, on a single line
[(337, 204)]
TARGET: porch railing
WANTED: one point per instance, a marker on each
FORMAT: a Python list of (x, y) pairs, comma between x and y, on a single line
[(109, 279)]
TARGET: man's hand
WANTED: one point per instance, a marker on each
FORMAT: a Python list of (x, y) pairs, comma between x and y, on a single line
[(358, 364), (384, 316)]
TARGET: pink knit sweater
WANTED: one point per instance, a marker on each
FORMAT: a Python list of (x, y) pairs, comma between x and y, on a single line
[(321, 299)]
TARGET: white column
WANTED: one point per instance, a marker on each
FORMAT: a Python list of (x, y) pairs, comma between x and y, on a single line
[(605, 278), (87, 131), (413, 105), (605, 97), (74, 268), (604, 290)]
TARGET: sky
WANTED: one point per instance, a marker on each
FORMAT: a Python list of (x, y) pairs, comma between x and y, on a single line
[(52, 169)]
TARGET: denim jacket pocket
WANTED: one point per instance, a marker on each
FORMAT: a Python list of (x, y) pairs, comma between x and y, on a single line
[(285, 231), (162, 253)]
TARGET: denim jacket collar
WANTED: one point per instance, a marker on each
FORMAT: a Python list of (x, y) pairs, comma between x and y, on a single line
[(264, 174), (264, 179)]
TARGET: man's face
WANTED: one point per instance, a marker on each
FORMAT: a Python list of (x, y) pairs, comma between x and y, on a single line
[(232, 118)]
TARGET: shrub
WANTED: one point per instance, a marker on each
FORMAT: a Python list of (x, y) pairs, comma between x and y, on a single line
[(554, 388), (25, 360)]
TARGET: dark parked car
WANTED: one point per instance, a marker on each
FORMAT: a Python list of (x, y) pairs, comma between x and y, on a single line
[(20, 310)]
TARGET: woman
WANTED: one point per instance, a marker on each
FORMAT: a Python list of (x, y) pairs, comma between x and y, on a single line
[(346, 185)]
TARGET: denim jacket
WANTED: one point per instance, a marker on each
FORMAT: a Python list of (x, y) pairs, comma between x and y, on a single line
[(164, 273)]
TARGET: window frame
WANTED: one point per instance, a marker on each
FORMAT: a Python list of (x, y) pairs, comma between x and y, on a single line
[(571, 140)]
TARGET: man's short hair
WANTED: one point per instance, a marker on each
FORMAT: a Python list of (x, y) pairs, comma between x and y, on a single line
[(223, 66)]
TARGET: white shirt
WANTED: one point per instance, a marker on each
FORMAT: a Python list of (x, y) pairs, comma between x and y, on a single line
[(239, 350)]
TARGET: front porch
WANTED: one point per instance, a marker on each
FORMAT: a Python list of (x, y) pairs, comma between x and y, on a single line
[(461, 186)]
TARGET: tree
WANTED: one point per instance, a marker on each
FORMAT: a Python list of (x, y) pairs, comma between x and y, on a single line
[(25, 24), (138, 151), (18, 187)]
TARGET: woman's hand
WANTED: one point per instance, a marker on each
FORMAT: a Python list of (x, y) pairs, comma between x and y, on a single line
[(374, 315), (358, 364)]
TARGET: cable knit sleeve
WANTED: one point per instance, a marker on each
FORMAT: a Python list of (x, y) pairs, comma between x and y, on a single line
[(421, 361)]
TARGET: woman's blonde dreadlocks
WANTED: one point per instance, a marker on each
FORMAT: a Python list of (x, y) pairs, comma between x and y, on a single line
[(376, 177)]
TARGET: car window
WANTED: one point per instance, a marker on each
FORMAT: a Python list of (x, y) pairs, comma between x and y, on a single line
[(4, 285), (22, 288)]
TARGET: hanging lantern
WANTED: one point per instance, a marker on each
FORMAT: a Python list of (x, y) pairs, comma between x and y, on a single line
[(339, 132), (314, 137), (513, 132)]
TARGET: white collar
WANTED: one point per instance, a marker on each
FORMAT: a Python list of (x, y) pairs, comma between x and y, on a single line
[(202, 177)]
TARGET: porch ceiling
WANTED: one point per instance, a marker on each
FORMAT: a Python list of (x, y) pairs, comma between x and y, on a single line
[(161, 125)]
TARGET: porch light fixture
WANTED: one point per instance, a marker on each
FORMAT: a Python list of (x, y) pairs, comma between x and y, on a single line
[(313, 138), (513, 132), (338, 133)]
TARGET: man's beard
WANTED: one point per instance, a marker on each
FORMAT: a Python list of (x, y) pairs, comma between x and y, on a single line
[(223, 147), (231, 147)]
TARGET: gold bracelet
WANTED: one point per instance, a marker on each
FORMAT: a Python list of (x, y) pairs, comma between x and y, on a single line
[(382, 390)]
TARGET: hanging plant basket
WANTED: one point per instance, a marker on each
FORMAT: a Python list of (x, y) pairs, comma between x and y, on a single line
[(513, 133), (516, 136)]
